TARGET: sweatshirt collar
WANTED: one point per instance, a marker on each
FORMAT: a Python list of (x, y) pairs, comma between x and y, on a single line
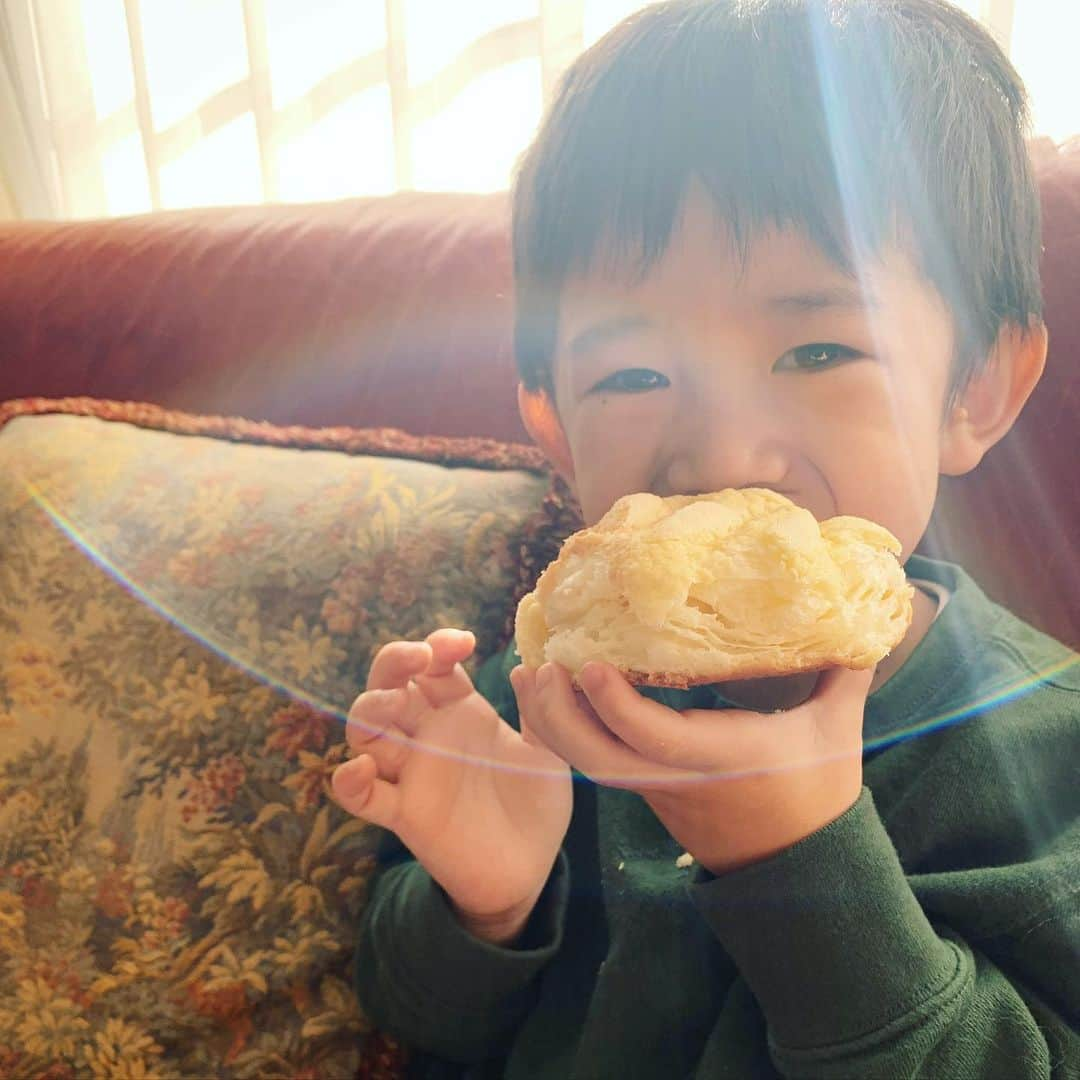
[(941, 668)]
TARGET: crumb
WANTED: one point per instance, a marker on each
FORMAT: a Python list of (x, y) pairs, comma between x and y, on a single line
[(684, 860), (621, 864)]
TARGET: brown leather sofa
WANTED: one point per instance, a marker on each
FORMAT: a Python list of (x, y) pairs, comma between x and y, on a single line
[(396, 312)]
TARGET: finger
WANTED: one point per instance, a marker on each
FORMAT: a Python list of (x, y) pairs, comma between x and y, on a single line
[(358, 789), (523, 683), (448, 648), (523, 680), (377, 711), (827, 724), (707, 742), (653, 730), (395, 664), (575, 734), (372, 714), (445, 680), (374, 727)]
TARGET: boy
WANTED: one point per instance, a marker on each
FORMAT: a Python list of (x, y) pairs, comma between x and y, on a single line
[(779, 243)]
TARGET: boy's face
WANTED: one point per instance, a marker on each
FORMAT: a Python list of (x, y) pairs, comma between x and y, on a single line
[(780, 372)]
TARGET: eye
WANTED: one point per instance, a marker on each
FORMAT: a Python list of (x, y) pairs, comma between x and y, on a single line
[(632, 381), (816, 357)]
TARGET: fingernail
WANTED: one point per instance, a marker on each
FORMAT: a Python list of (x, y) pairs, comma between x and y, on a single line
[(543, 676)]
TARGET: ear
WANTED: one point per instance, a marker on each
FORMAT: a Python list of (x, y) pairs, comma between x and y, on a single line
[(542, 422), (992, 400)]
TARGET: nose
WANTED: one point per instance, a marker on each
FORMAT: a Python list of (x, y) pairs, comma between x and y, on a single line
[(731, 445)]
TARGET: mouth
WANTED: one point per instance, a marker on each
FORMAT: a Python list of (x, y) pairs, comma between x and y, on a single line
[(821, 507), (788, 493)]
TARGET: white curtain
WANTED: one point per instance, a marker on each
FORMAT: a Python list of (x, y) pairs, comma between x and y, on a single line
[(29, 184), (125, 106)]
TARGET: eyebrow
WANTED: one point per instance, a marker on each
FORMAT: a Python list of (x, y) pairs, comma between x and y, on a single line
[(840, 296), (607, 330)]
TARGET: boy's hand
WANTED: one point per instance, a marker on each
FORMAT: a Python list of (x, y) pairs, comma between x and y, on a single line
[(732, 786), (483, 808)]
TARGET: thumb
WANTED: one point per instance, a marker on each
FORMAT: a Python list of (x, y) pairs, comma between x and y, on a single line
[(840, 684), (839, 700)]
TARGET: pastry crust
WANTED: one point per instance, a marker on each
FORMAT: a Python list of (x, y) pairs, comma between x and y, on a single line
[(739, 584)]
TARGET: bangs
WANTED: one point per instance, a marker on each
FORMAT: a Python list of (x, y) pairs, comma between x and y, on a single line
[(790, 115), (753, 135)]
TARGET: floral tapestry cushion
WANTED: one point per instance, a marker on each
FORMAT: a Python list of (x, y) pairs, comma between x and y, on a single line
[(187, 608)]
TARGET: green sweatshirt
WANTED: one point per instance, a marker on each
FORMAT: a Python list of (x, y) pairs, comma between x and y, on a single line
[(933, 930)]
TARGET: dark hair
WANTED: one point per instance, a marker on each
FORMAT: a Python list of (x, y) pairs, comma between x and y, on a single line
[(861, 122)]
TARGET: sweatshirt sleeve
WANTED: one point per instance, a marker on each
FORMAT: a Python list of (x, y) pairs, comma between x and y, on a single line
[(424, 979), (854, 980)]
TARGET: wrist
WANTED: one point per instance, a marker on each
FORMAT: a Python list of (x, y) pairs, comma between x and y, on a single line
[(501, 928), (775, 831)]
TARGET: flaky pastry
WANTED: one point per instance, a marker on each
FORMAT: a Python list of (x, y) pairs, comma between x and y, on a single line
[(738, 584)]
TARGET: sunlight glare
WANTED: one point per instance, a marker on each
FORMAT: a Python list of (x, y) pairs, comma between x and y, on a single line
[(1046, 59), (599, 16), (108, 55), (306, 42), (473, 143), (221, 169), (123, 173), (193, 51), (348, 152), (436, 32)]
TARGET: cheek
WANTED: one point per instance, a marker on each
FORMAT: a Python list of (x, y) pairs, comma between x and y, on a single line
[(881, 457), (616, 444), (896, 424), (911, 411)]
